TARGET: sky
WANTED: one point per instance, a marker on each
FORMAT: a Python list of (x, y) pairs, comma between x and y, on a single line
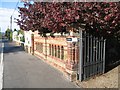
[(7, 8)]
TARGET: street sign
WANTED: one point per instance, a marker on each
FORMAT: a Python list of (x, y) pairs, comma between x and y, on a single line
[(72, 39)]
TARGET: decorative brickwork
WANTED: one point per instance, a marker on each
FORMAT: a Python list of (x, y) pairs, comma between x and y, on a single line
[(72, 61), (59, 53)]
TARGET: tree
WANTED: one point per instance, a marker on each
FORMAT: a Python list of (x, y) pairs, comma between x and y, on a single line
[(20, 32), (8, 34), (99, 18)]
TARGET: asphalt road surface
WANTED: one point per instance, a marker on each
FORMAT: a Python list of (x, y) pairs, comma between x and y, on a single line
[(22, 70)]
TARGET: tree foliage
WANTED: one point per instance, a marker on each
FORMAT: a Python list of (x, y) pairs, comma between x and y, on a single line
[(8, 34), (96, 17)]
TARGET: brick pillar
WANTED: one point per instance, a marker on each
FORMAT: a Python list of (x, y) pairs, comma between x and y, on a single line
[(46, 48), (70, 64), (32, 38), (72, 61), (76, 55)]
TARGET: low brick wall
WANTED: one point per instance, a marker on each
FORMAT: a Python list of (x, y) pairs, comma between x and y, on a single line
[(28, 49), (58, 53), (49, 49)]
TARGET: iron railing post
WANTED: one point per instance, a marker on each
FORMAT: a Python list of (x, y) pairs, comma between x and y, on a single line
[(80, 56), (104, 56)]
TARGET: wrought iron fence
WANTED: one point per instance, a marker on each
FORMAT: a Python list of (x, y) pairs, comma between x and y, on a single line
[(92, 61)]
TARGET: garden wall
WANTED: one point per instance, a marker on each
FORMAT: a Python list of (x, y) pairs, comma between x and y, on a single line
[(57, 52)]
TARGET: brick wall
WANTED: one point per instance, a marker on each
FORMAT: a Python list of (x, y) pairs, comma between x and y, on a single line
[(57, 52)]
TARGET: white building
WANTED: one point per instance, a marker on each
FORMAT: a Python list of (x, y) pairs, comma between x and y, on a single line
[(15, 35), (28, 41)]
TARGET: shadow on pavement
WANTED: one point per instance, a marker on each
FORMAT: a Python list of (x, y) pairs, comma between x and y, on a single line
[(11, 47)]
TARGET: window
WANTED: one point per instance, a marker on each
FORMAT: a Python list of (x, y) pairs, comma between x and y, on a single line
[(62, 52)]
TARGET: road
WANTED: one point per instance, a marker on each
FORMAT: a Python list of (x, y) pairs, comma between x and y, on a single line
[(22, 70)]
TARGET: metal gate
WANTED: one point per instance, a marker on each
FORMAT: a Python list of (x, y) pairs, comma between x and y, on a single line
[(92, 55)]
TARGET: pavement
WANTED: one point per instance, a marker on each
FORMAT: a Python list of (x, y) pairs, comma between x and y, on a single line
[(22, 70), (1, 64)]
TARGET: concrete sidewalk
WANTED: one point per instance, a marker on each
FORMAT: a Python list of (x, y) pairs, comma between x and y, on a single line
[(22, 70)]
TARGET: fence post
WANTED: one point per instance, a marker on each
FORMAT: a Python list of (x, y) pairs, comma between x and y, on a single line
[(104, 56), (32, 44), (80, 56), (46, 48)]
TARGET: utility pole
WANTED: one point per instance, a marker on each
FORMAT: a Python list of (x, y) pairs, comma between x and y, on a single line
[(11, 23)]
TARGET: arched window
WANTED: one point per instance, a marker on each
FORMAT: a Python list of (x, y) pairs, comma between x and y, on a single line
[(58, 52), (62, 52)]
